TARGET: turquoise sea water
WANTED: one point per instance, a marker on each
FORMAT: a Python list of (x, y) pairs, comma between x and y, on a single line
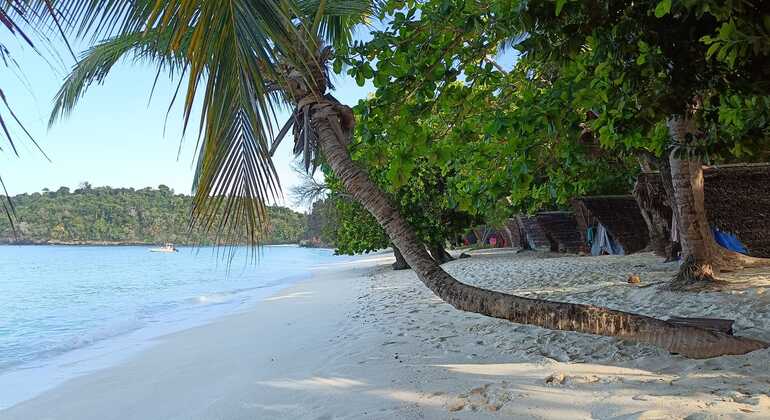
[(66, 310)]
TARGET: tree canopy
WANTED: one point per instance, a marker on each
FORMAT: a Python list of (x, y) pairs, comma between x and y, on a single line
[(125, 215)]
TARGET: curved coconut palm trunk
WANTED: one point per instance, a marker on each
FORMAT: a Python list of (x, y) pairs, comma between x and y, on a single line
[(439, 253), (689, 341), (400, 263), (703, 257)]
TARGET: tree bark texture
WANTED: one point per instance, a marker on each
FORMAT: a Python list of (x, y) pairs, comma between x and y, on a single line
[(439, 254), (400, 263), (702, 256)]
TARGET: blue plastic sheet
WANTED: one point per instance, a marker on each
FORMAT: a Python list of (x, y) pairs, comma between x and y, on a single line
[(729, 241)]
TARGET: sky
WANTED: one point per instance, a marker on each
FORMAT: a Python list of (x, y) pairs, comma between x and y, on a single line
[(115, 135)]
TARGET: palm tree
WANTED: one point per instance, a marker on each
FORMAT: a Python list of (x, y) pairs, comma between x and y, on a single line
[(703, 257), (247, 58), (17, 17)]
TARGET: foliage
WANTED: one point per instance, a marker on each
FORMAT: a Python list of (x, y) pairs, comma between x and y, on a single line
[(125, 215), (415, 185), (239, 60), (322, 224), (354, 229), (20, 18), (501, 141), (636, 64)]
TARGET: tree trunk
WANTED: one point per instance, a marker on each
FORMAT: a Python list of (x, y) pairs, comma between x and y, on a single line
[(702, 256), (689, 341), (439, 254), (400, 263)]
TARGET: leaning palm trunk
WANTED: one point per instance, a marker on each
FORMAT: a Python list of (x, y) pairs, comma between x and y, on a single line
[(400, 263), (326, 117), (439, 254), (702, 256)]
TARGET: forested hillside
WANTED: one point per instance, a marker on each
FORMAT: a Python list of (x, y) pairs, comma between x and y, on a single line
[(123, 215)]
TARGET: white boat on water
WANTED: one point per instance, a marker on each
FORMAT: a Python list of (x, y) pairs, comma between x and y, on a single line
[(167, 247)]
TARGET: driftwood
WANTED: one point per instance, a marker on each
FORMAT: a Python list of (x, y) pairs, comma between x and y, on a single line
[(711, 324)]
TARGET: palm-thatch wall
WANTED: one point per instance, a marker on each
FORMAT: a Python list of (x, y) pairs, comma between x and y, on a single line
[(516, 233), (656, 210), (534, 235), (561, 229), (737, 201), (619, 214)]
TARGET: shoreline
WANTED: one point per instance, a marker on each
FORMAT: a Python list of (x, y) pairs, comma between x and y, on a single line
[(358, 340), (188, 349), (31, 379), (122, 243)]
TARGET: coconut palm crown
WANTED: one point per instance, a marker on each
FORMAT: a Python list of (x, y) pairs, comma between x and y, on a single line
[(244, 61)]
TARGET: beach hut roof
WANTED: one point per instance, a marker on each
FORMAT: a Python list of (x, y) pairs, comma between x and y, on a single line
[(737, 201), (562, 230), (535, 235), (619, 214)]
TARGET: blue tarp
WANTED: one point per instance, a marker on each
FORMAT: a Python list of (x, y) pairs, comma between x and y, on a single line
[(729, 241), (602, 243)]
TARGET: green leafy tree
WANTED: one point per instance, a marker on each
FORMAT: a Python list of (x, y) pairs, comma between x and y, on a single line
[(671, 78)]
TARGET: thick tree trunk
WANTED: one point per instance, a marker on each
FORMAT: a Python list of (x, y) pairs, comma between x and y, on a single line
[(400, 263), (439, 254), (702, 256), (689, 341)]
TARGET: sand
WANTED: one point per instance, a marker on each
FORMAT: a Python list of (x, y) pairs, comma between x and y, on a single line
[(359, 340)]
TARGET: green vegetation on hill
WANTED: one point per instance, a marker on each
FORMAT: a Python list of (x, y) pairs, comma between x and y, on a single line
[(124, 215)]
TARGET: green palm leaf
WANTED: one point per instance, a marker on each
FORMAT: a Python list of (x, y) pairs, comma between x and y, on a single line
[(236, 56)]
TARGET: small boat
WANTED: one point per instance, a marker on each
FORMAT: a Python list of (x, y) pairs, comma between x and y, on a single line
[(167, 247)]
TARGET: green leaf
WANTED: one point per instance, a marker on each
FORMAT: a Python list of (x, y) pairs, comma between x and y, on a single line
[(712, 49), (663, 8), (559, 6)]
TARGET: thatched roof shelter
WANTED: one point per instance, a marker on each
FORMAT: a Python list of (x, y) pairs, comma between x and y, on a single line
[(737, 201), (516, 234), (534, 236), (619, 214), (562, 231), (655, 208)]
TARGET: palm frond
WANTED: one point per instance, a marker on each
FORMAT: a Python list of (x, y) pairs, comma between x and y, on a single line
[(236, 56), (13, 15), (338, 18), (96, 63)]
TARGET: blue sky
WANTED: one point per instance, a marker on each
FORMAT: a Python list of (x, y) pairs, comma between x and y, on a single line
[(113, 137)]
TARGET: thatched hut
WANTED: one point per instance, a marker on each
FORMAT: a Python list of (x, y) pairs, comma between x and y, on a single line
[(488, 235), (534, 237), (656, 210), (562, 231), (737, 201), (516, 234), (619, 215)]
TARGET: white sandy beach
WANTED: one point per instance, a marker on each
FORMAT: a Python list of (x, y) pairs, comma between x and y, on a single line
[(360, 341)]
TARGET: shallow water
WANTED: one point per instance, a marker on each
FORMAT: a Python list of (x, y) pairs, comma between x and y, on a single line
[(82, 302)]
